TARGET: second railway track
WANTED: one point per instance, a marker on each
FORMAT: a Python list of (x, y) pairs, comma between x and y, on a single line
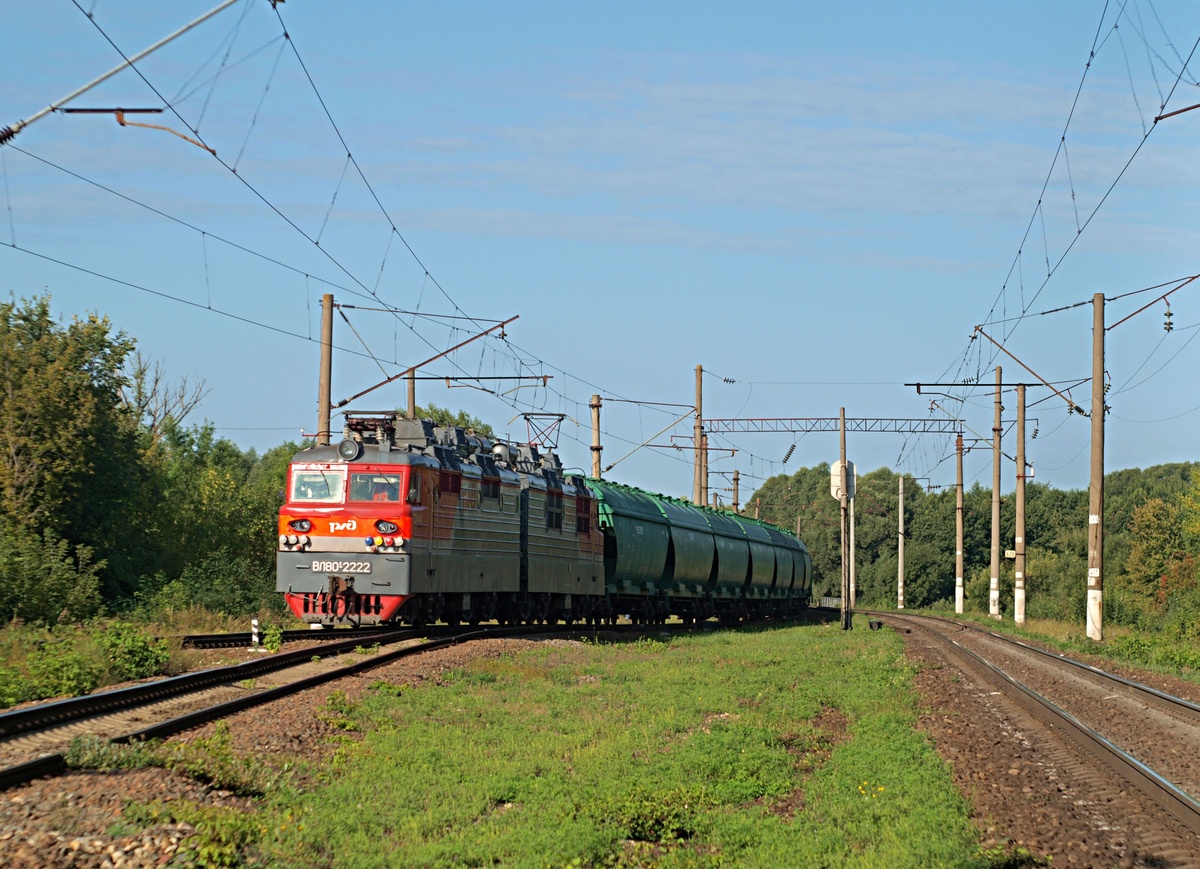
[(1129, 748)]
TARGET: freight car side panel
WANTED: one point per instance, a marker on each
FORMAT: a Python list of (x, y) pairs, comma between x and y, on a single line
[(762, 558), (690, 560), (785, 562), (733, 555), (637, 538)]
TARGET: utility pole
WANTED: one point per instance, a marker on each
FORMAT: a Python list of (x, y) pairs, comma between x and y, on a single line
[(843, 499), (1095, 582), (853, 551), (704, 467), (958, 528), (735, 498), (597, 449), (698, 433), (994, 587), (900, 552), (324, 399), (412, 393), (1019, 543)]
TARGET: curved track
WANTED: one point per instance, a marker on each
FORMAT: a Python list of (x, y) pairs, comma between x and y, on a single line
[(40, 734), (1095, 713)]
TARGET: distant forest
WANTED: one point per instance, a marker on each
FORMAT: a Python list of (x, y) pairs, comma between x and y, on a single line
[(1151, 541)]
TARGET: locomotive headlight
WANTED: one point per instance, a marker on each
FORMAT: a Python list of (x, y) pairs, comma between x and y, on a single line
[(301, 525), (383, 526)]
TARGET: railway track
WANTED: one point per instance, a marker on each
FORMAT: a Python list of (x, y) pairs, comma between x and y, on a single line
[(33, 741), (246, 639), (1122, 738)]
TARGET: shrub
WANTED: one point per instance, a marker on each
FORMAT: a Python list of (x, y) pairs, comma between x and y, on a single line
[(130, 652), (56, 671), (44, 579)]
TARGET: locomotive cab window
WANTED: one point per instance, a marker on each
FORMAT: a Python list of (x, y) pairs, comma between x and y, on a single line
[(317, 486), (375, 487)]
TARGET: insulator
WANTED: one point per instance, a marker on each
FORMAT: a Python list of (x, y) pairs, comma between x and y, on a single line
[(1167, 326), (788, 454)]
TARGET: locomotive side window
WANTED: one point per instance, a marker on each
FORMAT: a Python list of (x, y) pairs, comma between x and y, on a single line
[(449, 482), (583, 515), (375, 487), (317, 486), (554, 510), (490, 487)]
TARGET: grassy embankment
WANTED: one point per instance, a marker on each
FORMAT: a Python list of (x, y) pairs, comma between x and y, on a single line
[(785, 747)]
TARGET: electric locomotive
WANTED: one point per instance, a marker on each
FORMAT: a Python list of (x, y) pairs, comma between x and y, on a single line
[(403, 521)]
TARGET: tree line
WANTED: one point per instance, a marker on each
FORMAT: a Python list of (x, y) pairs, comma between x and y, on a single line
[(1151, 542), (109, 501)]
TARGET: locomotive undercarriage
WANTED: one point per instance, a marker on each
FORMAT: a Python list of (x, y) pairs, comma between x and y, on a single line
[(345, 606)]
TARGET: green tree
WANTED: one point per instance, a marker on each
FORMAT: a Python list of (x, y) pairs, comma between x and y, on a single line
[(69, 459), (1155, 543), (443, 416)]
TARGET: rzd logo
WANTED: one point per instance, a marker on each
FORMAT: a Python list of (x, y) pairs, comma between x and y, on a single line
[(343, 526)]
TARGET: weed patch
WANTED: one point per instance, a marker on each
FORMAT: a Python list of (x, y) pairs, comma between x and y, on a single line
[(210, 759)]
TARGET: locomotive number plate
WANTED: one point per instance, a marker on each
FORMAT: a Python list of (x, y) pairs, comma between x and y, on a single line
[(341, 567)]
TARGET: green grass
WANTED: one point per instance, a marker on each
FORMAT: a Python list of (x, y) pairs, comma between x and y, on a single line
[(786, 747)]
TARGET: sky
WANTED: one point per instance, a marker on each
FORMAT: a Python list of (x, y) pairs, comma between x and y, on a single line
[(817, 203)]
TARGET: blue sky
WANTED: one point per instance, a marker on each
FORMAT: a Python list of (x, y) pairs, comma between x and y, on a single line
[(816, 203)]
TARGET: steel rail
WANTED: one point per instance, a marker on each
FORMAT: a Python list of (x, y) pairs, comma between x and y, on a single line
[(1091, 744), (1190, 709), (53, 764), (245, 640), (75, 708)]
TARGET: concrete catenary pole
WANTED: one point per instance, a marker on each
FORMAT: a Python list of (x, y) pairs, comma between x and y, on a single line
[(1095, 581), (1019, 543), (994, 586), (735, 496), (596, 447), (324, 380), (412, 394), (698, 432), (900, 552), (853, 552), (704, 467), (843, 500), (958, 528)]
